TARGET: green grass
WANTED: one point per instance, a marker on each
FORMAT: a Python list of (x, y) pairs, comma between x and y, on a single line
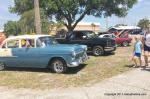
[(95, 70)]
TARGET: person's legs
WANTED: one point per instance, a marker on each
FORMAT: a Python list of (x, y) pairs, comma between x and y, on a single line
[(135, 61), (140, 61), (146, 57)]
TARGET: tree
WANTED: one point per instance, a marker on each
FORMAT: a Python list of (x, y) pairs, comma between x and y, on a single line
[(71, 12), (27, 22), (11, 28), (58, 25), (37, 17), (25, 25), (143, 23)]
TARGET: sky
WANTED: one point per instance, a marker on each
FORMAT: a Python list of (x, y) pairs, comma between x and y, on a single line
[(139, 11)]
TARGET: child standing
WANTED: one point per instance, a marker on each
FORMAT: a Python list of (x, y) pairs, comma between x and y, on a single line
[(137, 52)]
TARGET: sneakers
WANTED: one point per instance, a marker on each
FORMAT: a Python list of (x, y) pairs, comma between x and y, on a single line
[(146, 64), (135, 66)]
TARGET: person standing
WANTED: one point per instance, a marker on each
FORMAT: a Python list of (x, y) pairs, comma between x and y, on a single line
[(137, 52), (146, 43)]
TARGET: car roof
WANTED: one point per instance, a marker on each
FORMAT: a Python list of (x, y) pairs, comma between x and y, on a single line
[(26, 37)]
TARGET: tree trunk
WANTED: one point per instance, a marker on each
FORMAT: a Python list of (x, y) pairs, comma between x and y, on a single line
[(69, 27), (37, 17)]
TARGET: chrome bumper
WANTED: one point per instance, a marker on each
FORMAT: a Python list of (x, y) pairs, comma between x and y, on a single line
[(78, 61), (109, 49)]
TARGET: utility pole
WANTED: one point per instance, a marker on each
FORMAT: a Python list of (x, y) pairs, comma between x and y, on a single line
[(37, 17)]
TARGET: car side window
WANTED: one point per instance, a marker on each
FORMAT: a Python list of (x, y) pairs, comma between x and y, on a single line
[(27, 43), (39, 43), (13, 44)]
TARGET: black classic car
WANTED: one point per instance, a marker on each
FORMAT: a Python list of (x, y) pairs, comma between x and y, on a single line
[(98, 46)]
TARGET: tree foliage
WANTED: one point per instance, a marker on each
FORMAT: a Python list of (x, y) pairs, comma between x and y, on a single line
[(143, 23), (11, 28), (70, 12), (27, 22)]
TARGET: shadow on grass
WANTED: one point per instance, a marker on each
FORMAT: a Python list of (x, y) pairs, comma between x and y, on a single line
[(120, 46), (75, 70), (105, 54), (143, 68), (130, 66), (25, 69), (109, 54), (72, 70)]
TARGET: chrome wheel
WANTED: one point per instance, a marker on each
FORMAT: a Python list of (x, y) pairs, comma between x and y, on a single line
[(58, 66), (98, 50), (2, 66)]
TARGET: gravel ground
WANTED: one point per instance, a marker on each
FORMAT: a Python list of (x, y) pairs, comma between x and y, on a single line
[(134, 84)]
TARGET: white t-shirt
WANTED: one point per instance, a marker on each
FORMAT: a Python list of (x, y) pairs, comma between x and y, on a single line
[(147, 40)]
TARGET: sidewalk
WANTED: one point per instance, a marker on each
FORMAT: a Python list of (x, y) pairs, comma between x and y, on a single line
[(134, 84)]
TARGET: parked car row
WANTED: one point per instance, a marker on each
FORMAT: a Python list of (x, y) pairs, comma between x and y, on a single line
[(58, 54)]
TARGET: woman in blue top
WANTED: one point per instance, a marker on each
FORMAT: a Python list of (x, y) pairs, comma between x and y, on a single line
[(137, 52)]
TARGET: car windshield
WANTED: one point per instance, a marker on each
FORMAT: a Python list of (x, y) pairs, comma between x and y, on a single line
[(48, 41), (91, 35)]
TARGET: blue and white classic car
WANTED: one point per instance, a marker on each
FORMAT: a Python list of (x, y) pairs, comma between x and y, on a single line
[(40, 51)]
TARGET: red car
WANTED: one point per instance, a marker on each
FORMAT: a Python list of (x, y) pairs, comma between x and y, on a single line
[(122, 39)]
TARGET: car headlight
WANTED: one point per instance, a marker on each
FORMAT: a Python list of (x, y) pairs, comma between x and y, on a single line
[(73, 54), (84, 47)]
